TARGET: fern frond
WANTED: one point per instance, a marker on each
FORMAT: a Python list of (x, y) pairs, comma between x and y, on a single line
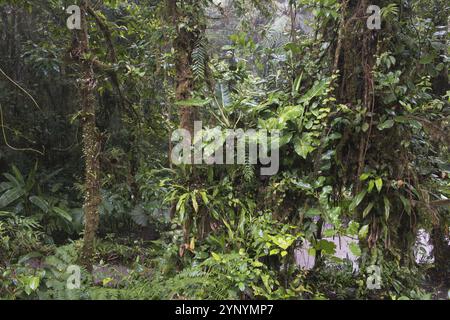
[(248, 171), (390, 11), (200, 59)]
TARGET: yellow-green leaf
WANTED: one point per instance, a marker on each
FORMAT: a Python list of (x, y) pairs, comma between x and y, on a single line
[(379, 184), (367, 209), (194, 202)]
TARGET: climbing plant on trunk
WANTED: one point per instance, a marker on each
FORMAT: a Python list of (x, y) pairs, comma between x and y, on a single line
[(187, 20), (91, 139), (385, 94)]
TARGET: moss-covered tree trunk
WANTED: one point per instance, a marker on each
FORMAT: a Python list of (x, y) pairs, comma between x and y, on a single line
[(91, 142), (356, 50), (354, 57), (184, 45)]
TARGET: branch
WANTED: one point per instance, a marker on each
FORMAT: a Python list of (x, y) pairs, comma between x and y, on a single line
[(110, 70), (440, 203), (106, 33)]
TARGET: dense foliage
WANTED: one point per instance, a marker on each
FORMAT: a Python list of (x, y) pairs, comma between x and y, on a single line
[(87, 180)]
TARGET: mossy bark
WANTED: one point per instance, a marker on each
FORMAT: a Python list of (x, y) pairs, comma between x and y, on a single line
[(354, 56), (184, 45), (91, 143)]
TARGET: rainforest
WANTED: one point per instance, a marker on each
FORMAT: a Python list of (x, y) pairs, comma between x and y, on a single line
[(224, 150)]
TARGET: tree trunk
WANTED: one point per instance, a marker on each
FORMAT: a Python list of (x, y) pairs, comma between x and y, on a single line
[(441, 251), (184, 44), (91, 144)]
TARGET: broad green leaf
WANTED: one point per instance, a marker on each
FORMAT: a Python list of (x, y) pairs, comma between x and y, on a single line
[(367, 209), (34, 283), (355, 249), (303, 146), (285, 139), (379, 184), (274, 251), (10, 196), (257, 264), (387, 207), (312, 212), (426, 59), (192, 244), (5, 186), (316, 90), (139, 216), (40, 203), (415, 124), (181, 205), (406, 204), (293, 47), (265, 279), (365, 127), (204, 197), (401, 119), (330, 233), (290, 113), (12, 179), (216, 256), (357, 200), (371, 185), (106, 281), (29, 256), (352, 228), (362, 234), (302, 185), (18, 175), (364, 176), (326, 246), (283, 241), (386, 125), (194, 202), (63, 213)]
